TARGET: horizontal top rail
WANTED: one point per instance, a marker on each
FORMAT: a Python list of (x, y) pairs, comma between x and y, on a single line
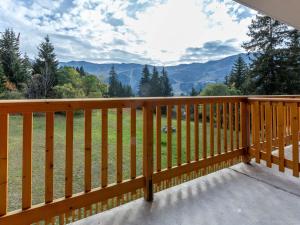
[(282, 99), (55, 105)]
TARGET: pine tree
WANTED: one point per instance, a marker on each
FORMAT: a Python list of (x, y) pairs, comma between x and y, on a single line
[(155, 84), (194, 92), (81, 71), (267, 36), (114, 84), (10, 59), (290, 81), (238, 74), (144, 86), (2, 80), (165, 84), (46, 65)]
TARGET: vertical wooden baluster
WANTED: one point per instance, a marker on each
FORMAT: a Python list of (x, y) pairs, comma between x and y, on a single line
[(231, 126), (212, 130), (148, 151), (69, 155), (49, 157), (4, 129), (169, 136), (252, 123), (245, 130), (27, 161), (104, 149), (178, 135), (87, 150), (188, 133), (262, 123), (158, 138), (274, 125), (280, 130), (196, 131), (236, 121), (295, 140), (256, 118), (268, 112), (218, 129), (133, 143), (204, 139), (119, 153), (285, 122), (225, 125)]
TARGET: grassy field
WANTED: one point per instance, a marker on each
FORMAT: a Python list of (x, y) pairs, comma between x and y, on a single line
[(38, 166)]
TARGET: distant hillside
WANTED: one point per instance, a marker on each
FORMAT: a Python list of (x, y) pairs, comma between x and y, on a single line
[(183, 77)]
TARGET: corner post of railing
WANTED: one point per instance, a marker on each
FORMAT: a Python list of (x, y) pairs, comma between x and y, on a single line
[(245, 120), (148, 150)]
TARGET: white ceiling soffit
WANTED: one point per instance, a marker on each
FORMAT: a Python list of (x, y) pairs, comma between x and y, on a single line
[(286, 11)]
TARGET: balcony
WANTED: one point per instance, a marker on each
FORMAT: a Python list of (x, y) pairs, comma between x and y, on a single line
[(77, 158)]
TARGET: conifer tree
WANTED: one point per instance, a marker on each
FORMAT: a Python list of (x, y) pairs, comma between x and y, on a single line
[(10, 59), (165, 84), (46, 65), (2, 80), (155, 84), (194, 92), (114, 84), (266, 37), (144, 85), (238, 75)]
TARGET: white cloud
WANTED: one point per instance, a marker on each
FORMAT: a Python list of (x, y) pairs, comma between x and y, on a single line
[(160, 31)]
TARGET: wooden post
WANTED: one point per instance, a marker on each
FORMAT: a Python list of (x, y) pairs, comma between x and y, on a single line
[(245, 131), (148, 151)]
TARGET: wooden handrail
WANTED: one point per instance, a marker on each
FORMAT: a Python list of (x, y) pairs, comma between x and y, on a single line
[(223, 124)]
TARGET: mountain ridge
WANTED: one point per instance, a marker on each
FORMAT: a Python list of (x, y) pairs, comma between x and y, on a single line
[(182, 77)]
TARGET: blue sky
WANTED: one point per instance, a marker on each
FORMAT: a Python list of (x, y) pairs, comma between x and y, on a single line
[(162, 32)]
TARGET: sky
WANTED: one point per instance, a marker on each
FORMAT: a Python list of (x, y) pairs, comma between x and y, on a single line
[(158, 32)]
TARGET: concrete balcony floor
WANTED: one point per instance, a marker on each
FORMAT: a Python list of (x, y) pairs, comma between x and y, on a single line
[(243, 194)]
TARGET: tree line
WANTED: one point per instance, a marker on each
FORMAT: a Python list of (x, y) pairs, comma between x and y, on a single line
[(151, 84), (42, 77)]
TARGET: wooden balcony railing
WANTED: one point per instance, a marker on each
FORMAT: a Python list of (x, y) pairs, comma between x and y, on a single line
[(131, 148)]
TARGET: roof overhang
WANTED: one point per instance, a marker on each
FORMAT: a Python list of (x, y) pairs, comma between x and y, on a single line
[(286, 11)]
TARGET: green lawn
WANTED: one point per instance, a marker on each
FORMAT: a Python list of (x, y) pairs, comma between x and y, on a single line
[(15, 152)]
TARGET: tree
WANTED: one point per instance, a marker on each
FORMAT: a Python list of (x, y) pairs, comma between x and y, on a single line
[(218, 90), (194, 92), (10, 58), (46, 65), (114, 84), (165, 84), (2, 80), (144, 86), (290, 80), (238, 74), (266, 39), (155, 84)]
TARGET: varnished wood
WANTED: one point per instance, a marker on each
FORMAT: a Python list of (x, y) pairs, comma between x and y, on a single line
[(218, 129), (280, 130), (133, 143), (225, 126), (119, 152), (212, 130), (268, 112), (178, 134), (204, 139), (104, 148), (27, 161), (188, 132), (231, 126), (158, 138), (295, 139), (4, 129), (196, 131), (169, 136), (236, 125), (69, 154), (87, 150), (49, 157)]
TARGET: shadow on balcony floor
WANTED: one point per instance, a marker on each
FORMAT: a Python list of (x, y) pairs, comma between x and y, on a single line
[(242, 194)]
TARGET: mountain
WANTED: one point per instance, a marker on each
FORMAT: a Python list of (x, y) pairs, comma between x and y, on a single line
[(183, 76)]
